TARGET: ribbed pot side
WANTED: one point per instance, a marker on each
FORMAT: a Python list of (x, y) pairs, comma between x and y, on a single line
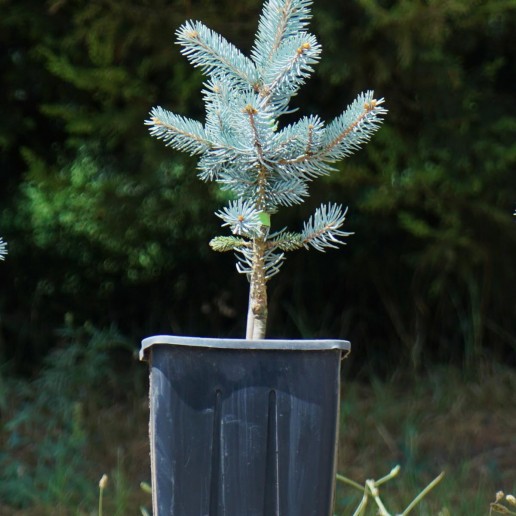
[(243, 428)]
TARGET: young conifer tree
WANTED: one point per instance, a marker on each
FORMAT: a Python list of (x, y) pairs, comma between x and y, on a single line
[(3, 249), (243, 148)]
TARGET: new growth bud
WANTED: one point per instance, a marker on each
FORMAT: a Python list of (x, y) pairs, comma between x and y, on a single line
[(250, 110), (303, 48)]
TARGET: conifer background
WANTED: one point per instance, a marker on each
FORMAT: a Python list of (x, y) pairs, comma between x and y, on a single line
[(104, 225)]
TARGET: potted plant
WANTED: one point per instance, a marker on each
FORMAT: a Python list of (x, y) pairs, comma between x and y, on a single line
[(249, 426)]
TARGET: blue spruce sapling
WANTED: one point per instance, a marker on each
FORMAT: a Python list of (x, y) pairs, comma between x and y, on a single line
[(3, 249), (243, 148)]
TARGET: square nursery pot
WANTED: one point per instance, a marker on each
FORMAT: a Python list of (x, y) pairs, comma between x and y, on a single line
[(243, 428)]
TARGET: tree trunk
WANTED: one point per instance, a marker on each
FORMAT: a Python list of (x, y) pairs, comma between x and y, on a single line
[(257, 311)]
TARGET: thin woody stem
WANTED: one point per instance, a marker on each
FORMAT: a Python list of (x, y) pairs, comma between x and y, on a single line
[(257, 312)]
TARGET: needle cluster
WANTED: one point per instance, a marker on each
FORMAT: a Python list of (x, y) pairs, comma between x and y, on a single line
[(3, 249)]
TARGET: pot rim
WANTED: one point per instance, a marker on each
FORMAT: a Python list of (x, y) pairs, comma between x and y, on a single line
[(244, 344)]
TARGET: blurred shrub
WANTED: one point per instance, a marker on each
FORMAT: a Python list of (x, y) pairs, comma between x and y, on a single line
[(45, 427), (97, 224)]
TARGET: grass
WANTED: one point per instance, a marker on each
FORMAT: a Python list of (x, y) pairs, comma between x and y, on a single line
[(440, 421)]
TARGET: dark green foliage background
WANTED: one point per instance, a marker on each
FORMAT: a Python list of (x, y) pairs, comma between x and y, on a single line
[(105, 224)]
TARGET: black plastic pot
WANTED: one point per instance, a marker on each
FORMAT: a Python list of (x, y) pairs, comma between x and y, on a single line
[(243, 428)]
